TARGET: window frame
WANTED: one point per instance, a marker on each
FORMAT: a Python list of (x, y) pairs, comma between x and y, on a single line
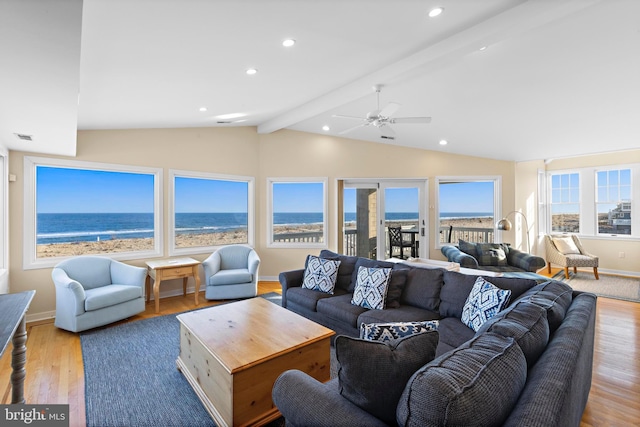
[(325, 214), (497, 203), (597, 202), (588, 198), (173, 173), (31, 163), (549, 198)]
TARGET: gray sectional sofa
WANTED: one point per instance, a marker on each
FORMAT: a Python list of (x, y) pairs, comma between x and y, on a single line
[(530, 364)]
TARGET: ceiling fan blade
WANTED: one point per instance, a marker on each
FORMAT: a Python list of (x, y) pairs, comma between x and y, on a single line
[(387, 133), (389, 109), (410, 120), (349, 117), (352, 129)]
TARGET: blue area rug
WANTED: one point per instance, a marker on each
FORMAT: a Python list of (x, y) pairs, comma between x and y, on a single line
[(131, 379)]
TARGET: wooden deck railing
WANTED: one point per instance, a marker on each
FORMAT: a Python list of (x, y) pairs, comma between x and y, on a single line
[(303, 237)]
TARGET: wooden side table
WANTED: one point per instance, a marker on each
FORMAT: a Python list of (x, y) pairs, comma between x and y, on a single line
[(13, 309), (166, 269)]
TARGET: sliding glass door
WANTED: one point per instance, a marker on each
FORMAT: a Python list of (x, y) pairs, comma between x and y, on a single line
[(384, 218)]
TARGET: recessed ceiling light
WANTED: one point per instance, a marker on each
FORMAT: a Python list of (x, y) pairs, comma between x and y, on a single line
[(251, 71), (483, 48), (326, 128), (435, 12), (203, 109), (443, 142), (230, 116), (288, 42)]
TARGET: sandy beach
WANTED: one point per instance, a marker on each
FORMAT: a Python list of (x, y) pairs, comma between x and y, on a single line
[(214, 239)]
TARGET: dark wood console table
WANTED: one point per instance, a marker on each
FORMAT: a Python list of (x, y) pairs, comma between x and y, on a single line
[(13, 327)]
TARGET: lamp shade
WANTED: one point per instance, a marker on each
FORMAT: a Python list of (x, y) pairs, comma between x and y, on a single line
[(504, 224)]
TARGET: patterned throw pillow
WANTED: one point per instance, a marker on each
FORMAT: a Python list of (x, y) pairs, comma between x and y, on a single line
[(321, 274), (492, 254), (484, 301), (371, 287), (390, 332)]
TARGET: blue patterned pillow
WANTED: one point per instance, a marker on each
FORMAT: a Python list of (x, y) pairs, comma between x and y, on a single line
[(321, 274), (484, 301), (371, 287), (390, 332)]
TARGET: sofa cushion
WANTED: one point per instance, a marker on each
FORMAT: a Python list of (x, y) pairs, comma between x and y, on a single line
[(457, 286), (468, 248), (423, 288), (398, 280), (484, 301), (391, 332), (345, 271), (373, 374), (404, 313), (340, 308), (478, 384), (371, 287), (370, 263), (320, 274), (106, 296), (231, 277), (453, 333), (492, 254), (555, 297), (307, 298), (527, 324)]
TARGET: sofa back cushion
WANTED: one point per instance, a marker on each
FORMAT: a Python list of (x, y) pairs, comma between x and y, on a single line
[(457, 286), (476, 384), (526, 323), (555, 297), (492, 254), (373, 374), (423, 287)]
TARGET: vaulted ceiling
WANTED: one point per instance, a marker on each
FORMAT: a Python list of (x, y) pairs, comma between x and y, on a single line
[(505, 79)]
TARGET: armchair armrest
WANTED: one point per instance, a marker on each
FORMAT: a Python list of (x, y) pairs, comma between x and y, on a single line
[(253, 262), (69, 292), (525, 261), (306, 402), (125, 274), (290, 279), (454, 254), (211, 265)]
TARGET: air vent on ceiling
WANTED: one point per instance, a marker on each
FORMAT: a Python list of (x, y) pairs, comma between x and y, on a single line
[(24, 137), (223, 122), (388, 137)]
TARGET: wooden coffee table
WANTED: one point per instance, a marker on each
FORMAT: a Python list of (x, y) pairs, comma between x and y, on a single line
[(232, 354)]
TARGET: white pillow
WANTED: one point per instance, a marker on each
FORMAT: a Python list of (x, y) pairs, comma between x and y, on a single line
[(565, 245), (321, 274), (371, 287)]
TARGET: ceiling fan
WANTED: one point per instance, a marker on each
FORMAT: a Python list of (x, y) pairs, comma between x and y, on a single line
[(382, 118)]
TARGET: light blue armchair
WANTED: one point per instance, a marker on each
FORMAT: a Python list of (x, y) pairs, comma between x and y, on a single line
[(93, 291), (231, 272)]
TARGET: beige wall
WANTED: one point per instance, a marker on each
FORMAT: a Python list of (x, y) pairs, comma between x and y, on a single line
[(241, 151)]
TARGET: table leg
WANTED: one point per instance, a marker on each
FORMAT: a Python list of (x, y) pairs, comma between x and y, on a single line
[(184, 286), (18, 361), (156, 290), (196, 277), (147, 287)]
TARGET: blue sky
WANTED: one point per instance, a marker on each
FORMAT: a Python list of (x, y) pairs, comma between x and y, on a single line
[(194, 195), (62, 190), (297, 197)]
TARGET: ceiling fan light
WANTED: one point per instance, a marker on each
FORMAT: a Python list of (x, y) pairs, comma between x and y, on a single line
[(435, 12)]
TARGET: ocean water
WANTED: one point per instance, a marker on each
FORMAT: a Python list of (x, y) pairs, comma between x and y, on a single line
[(77, 227)]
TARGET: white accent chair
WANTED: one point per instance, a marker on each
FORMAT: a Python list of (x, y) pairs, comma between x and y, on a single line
[(93, 291), (567, 251), (231, 272)]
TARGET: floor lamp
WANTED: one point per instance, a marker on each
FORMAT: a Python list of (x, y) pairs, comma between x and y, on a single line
[(505, 224)]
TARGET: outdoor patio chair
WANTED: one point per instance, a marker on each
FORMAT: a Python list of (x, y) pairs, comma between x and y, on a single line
[(396, 241)]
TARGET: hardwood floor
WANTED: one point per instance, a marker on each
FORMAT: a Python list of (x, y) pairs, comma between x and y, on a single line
[(55, 371)]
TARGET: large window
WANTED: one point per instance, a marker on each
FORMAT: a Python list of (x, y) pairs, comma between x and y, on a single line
[(210, 210), (467, 209), (79, 208), (565, 203), (594, 201), (613, 201), (297, 214)]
